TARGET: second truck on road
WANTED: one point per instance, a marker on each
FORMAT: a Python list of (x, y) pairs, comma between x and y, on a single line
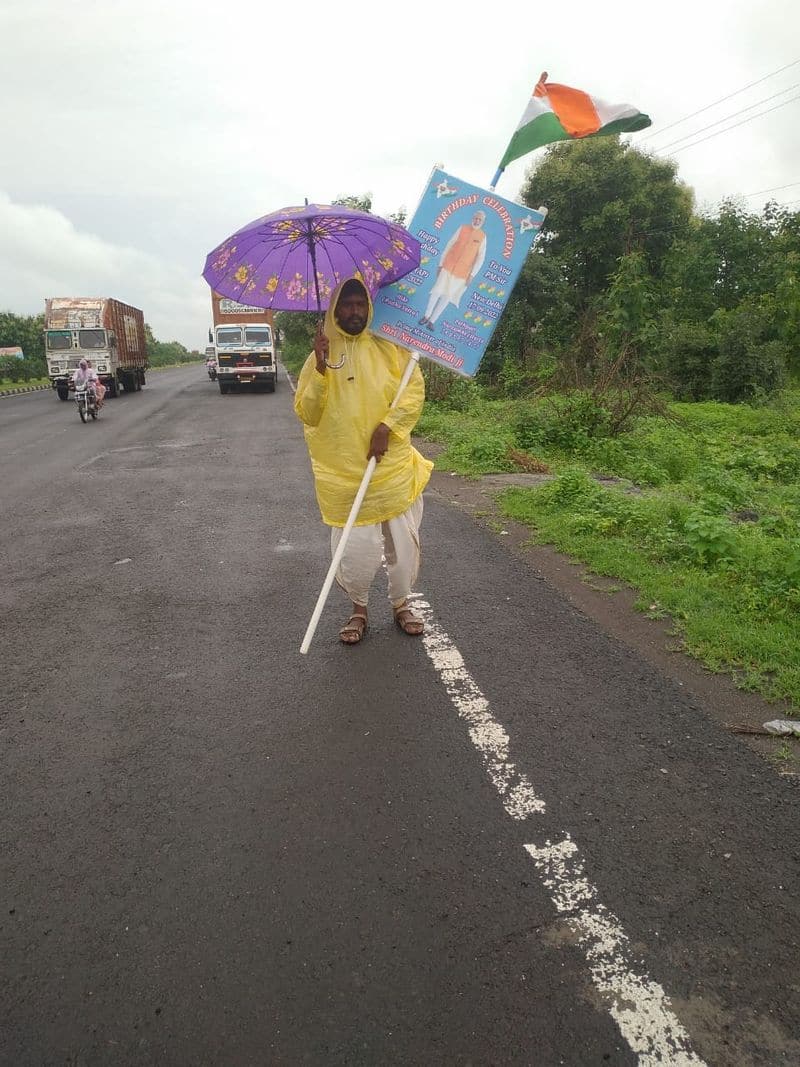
[(106, 331)]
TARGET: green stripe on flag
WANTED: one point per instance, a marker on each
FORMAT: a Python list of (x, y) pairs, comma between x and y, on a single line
[(545, 129), (628, 125)]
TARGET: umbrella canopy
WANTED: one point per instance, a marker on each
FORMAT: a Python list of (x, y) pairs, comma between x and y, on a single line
[(293, 259)]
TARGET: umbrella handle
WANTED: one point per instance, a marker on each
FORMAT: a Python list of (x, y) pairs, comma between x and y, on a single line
[(351, 518), (331, 366)]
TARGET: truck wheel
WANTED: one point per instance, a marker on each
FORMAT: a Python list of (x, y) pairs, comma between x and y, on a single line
[(271, 385), (113, 388), (223, 388), (63, 392)]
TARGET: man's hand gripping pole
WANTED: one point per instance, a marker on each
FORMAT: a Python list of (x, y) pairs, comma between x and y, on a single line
[(351, 518)]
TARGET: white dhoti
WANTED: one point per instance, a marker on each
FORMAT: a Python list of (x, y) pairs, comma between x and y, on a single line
[(447, 289), (394, 542)]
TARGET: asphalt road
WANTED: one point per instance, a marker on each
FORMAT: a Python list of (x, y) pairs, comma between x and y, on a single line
[(511, 842)]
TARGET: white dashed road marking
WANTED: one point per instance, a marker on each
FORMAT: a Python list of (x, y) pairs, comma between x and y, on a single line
[(639, 1006)]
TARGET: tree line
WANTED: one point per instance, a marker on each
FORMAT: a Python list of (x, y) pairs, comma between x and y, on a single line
[(628, 282)]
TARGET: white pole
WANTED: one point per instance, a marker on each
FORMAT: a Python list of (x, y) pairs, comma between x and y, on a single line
[(351, 518)]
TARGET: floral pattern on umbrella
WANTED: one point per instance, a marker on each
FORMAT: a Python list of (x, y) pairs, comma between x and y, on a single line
[(293, 259)]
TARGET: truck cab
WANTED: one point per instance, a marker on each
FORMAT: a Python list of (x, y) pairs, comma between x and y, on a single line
[(65, 349), (243, 336), (245, 355)]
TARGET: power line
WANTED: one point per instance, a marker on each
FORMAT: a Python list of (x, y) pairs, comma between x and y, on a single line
[(774, 189), (791, 100), (727, 118), (683, 230), (657, 133)]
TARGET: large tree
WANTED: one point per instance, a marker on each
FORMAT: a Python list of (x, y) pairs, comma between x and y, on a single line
[(610, 208), (606, 199), (730, 314)]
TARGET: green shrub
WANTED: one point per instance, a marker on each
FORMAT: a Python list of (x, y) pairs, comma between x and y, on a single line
[(21, 370), (685, 354), (479, 452), (620, 457), (462, 394), (566, 423), (573, 486), (719, 489), (750, 364), (710, 538), (769, 575), (670, 446)]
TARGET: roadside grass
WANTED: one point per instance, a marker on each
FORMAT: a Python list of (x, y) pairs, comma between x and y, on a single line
[(477, 439), (698, 511), (7, 383)]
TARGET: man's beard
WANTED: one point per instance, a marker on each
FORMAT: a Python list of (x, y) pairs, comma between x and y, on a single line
[(354, 325)]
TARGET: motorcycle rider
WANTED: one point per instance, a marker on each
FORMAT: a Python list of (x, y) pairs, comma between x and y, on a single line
[(84, 378), (99, 388)]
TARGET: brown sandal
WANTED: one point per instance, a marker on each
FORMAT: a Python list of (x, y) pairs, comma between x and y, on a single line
[(354, 629), (408, 622)]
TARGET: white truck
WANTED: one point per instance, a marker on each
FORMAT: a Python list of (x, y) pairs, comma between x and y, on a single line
[(244, 342), (106, 331)]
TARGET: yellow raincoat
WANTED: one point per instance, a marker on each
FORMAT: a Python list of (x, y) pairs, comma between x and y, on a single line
[(340, 410)]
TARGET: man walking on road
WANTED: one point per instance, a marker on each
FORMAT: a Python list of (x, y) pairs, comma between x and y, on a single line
[(343, 398)]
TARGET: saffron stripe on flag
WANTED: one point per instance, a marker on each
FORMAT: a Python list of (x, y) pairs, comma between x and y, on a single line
[(575, 110)]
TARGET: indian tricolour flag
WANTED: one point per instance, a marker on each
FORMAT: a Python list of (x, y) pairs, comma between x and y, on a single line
[(559, 113)]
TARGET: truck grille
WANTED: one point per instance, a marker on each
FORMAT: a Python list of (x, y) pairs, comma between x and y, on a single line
[(245, 359)]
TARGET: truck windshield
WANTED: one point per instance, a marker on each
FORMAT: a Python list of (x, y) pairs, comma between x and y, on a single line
[(92, 338), (58, 340), (257, 335), (229, 335)]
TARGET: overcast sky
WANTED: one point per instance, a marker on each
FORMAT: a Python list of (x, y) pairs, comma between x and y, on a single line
[(136, 134)]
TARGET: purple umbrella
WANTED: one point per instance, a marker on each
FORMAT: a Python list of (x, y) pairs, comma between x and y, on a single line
[(293, 259)]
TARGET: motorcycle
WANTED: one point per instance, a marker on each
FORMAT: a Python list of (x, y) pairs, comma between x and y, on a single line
[(212, 371), (86, 399)]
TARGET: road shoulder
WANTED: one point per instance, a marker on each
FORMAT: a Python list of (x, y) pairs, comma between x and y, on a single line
[(611, 604)]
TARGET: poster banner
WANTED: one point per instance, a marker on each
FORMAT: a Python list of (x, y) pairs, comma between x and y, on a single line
[(473, 246)]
